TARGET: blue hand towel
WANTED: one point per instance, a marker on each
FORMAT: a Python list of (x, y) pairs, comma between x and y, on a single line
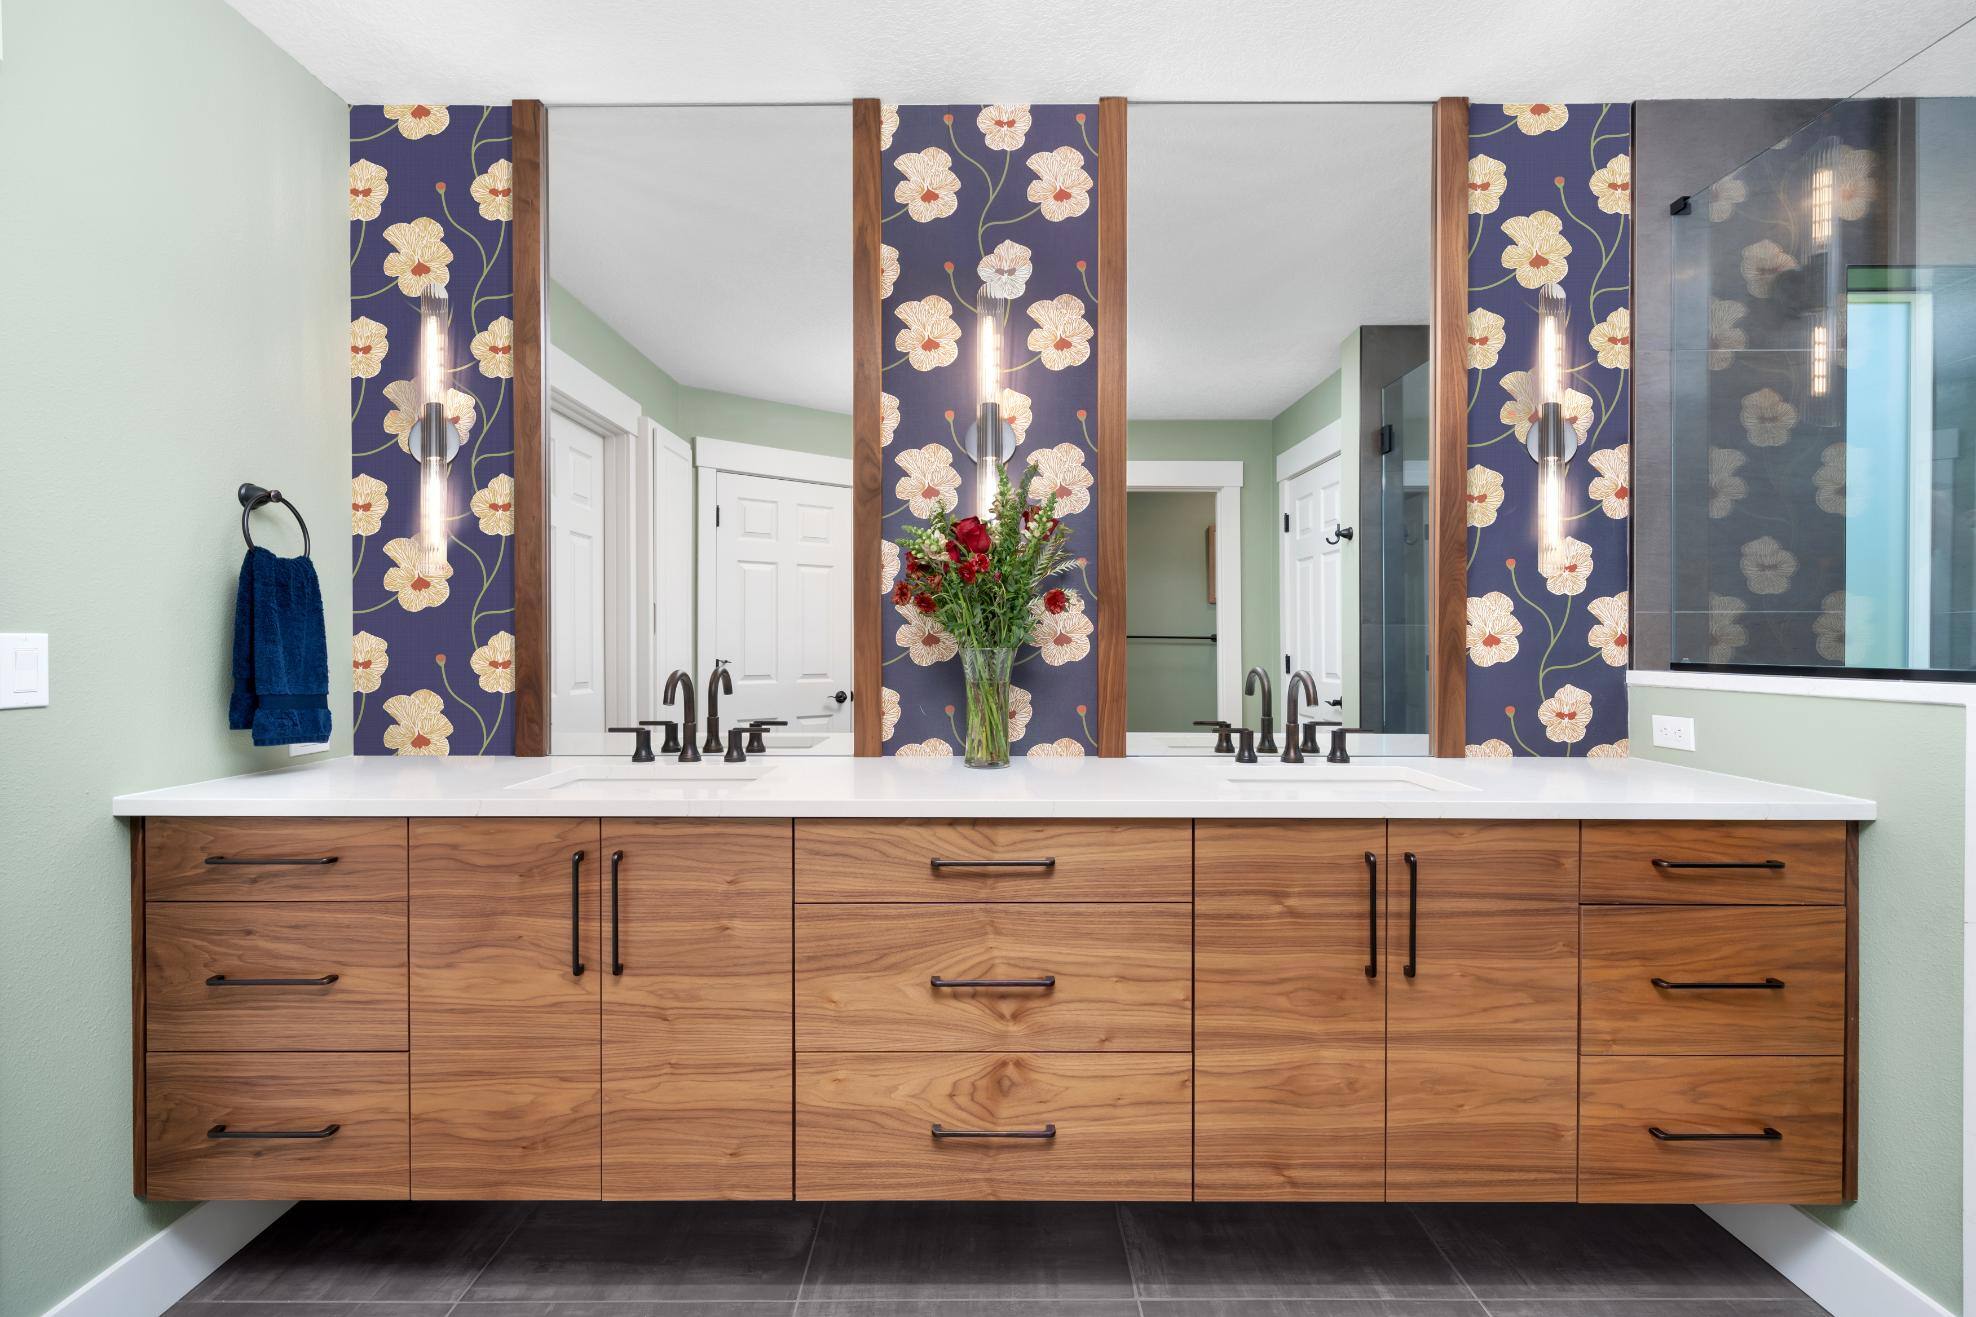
[(280, 655)]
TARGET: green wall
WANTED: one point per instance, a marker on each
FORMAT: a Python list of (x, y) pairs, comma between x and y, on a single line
[(1169, 683), (177, 282), (1315, 410), (1909, 758)]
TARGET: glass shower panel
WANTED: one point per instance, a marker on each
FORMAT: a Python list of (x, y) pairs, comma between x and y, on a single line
[(1403, 497)]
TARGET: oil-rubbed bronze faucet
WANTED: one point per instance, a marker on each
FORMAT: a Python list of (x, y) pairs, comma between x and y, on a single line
[(1300, 680), (1266, 737), (717, 681), (689, 748)]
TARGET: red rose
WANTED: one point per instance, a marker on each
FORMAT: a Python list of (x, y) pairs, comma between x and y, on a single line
[(1056, 601), (970, 532), (923, 602), (901, 592), (955, 551)]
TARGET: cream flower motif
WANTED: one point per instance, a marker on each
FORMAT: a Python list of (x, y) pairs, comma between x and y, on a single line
[(888, 565), (1538, 117), (415, 592), (1537, 249), (1522, 410), (404, 413), (930, 335), (923, 638), (1609, 636), (1492, 629), (1020, 709), (1566, 715), (928, 189), (1567, 570), (494, 664), (1487, 180), (888, 419), (369, 186), (888, 123), (1768, 418), (930, 480), (1725, 333), (1725, 633), (1612, 339), (1725, 487), (1485, 495), (1613, 186), (495, 506), (1060, 637), (1828, 629), (1829, 481), (1724, 197), (1003, 127), (494, 348), (888, 269), (1493, 748), (1005, 271), (421, 727), (495, 191), (1016, 412), (416, 121), (1620, 749), (1485, 338), (1768, 566), (422, 257), (1763, 262), (1853, 188), (369, 657), (1062, 189), (1609, 486), (368, 503), (1062, 336), (1064, 747), (888, 712), (931, 748), (1061, 471), (369, 342)]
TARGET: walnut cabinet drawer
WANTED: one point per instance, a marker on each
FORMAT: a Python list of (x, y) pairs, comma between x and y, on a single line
[(994, 860), (285, 859), (1713, 863)]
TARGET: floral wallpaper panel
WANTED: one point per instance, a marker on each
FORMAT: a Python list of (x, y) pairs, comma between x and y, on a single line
[(1549, 203), (1003, 197), (433, 657)]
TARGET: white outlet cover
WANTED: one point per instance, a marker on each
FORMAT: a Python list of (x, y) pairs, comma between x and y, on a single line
[(23, 669), (1672, 733)]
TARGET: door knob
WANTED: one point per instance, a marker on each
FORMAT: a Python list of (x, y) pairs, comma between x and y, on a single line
[(841, 696)]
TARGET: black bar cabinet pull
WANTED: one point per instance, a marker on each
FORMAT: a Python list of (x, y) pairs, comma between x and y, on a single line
[(942, 1132), (1047, 862), (1372, 914), (1770, 984), (222, 981), (1047, 981), (1665, 865), (617, 964), (222, 1132), (235, 859), (1413, 915), (1768, 1136), (576, 914)]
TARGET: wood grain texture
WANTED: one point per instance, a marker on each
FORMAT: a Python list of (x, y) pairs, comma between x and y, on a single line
[(529, 251), (361, 942), (369, 854), (1626, 946), (1618, 863), (864, 1127), (1123, 984), (1112, 405), (1447, 457), (506, 1042), (698, 1079), (867, 455), (1096, 859), (137, 1117), (1850, 1189), (1803, 1098), (1482, 1044), (362, 1093), (1290, 1033)]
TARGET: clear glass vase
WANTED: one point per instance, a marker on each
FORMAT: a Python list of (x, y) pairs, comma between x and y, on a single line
[(986, 673)]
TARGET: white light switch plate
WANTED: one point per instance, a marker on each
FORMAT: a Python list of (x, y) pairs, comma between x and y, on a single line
[(1674, 733), (23, 669)]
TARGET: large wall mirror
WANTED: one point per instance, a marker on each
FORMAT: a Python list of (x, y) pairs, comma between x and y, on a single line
[(698, 435)]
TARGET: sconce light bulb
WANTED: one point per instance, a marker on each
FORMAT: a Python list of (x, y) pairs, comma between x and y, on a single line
[(1821, 360), (1550, 513), (1819, 203), (434, 319), (988, 358), (431, 540)]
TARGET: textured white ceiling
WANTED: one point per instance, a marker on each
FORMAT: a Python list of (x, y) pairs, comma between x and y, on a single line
[(1042, 50)]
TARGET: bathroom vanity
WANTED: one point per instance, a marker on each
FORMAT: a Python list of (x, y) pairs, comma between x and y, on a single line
[(827, 978)]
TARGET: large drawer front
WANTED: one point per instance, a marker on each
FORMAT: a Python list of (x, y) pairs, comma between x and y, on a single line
[(1624, 1099), (1760, 863), (275, 859), (1121, 1127), (193, 1100), (244, 944), (1727, 979), (1119, 978), (994, 860)]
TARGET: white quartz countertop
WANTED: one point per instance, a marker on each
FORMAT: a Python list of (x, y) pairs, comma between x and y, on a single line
[(841, 787)]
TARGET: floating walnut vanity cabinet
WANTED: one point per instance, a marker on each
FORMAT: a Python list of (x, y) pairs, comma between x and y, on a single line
[(835, 1008)]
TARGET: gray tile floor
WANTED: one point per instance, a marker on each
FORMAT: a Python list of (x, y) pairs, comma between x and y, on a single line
[(991, 1260)]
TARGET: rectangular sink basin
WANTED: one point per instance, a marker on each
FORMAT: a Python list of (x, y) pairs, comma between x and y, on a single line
[(1371, 782), (669, 774)]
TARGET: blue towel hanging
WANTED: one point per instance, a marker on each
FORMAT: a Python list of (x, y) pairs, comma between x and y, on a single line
[(280, 654)]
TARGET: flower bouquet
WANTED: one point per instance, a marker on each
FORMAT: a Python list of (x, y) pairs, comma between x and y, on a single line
[(979, 578)]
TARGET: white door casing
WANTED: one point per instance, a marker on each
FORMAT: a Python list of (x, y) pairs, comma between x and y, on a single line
[(578, 713)]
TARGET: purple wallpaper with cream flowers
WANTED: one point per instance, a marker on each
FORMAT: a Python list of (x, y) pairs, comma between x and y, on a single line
[(1000, 196), (430, 203), (1549, 200)]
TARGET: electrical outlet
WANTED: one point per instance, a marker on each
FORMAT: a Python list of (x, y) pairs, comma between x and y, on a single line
[(1674, 733)]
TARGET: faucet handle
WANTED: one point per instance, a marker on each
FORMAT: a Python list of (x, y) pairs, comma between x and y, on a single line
[(641, 753), (735, 753), (1339, 755), (1247, 753), (671, 747), (755, 727), (1222, 728)]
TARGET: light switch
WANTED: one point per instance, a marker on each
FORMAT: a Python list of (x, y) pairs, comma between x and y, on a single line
[(23, 670)]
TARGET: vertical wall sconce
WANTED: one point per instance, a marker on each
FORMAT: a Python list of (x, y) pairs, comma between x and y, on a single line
[(990, 441), (1825, 310), (1552, 438), (434, 439)]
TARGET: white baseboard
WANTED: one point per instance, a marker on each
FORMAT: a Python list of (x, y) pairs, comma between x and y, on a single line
[(1838, 1274), (164, 1268)]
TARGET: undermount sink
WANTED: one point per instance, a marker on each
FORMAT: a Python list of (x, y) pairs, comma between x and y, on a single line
[(1372, 780), (708, 775)]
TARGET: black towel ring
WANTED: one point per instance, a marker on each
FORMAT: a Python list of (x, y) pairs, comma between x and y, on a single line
[(253, 496)]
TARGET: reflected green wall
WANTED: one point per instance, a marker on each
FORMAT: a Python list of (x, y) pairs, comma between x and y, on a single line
[(1169, 683), (1909, 758)]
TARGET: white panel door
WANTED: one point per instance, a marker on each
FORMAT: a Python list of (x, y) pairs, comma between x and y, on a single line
[(782, 612), (1313, 581), (577, 712)]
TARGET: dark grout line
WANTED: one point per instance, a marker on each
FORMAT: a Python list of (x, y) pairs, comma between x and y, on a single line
[(815, 1234), (1442, 1253), (473, 1280)]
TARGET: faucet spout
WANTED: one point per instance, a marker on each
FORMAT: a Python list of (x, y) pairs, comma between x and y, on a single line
[(1300, 682), (689, 748), (717, 681), (1266, 737)]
